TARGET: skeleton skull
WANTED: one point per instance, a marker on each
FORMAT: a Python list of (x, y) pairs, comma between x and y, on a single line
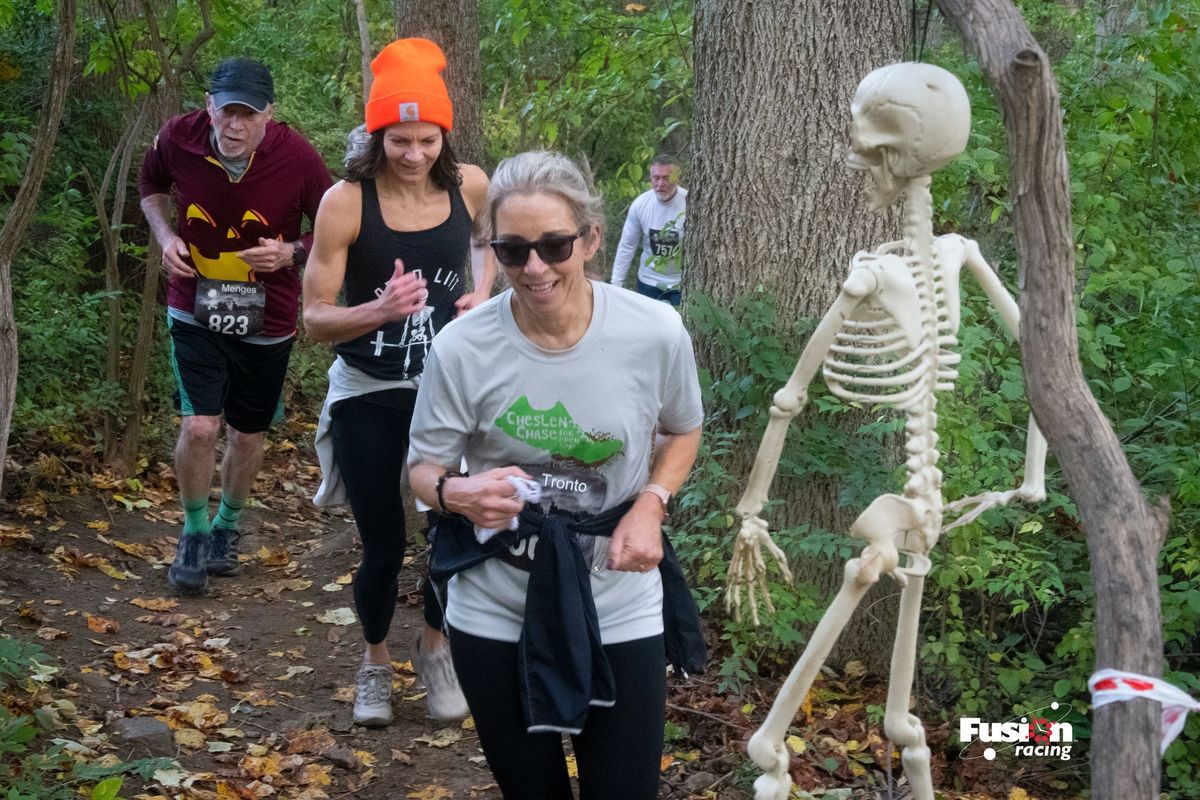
[(909, 119)]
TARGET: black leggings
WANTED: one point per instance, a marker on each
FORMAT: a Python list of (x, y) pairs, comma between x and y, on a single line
[(370, 446), (619, 751)]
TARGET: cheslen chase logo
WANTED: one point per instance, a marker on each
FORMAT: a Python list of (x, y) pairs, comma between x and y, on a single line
[(1039, 734)]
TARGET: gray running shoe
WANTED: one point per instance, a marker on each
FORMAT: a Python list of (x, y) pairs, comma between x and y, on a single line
[(188, 574), (373, 700), (223, 551), (443, 695)]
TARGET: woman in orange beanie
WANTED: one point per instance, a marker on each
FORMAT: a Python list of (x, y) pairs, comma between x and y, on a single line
[(395, 235)]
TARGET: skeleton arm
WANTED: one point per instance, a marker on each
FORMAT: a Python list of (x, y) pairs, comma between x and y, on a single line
[(1033, 488), (747, 568)]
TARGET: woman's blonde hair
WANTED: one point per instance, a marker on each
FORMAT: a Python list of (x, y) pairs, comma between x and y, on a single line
[(543, 172)]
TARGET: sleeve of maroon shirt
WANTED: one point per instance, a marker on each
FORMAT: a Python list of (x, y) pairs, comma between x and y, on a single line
[(155, 177), (317, 181)]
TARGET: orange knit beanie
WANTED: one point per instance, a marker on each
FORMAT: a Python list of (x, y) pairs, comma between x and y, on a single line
[(408, 86)]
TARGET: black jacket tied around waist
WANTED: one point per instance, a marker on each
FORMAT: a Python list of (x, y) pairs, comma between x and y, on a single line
[(562, 665)]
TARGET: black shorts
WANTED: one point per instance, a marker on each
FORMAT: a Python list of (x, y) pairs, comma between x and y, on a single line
[(217, 373)]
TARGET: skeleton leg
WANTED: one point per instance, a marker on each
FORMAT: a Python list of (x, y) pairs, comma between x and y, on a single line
[(902, 727), (886, 518)]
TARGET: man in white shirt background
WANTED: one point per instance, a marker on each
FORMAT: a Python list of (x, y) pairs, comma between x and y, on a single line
[(655, 223)]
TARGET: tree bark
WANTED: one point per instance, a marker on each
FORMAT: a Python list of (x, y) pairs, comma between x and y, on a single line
[(365, 50), (1124, 533), (21, 212), (773, 204), (110, 224), (454, 25)]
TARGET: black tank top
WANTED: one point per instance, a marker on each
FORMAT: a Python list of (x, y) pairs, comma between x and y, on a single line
[(397, 350)]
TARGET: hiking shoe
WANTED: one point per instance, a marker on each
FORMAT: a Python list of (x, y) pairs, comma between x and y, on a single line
[(188, 574), (223, 551), (373, 698), (443, 695)]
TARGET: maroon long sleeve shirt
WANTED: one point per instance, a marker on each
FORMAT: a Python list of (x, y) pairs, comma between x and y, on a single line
[(219, 217)]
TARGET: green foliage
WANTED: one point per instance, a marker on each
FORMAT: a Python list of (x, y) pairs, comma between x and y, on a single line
[(33, 764), (1014, 625), (600, 80)]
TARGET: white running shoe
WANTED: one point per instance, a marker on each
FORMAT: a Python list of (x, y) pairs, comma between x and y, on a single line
[(443, 695), (373, 698)]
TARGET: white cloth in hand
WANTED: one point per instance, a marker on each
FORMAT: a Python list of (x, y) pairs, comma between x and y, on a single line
[(529, 490)]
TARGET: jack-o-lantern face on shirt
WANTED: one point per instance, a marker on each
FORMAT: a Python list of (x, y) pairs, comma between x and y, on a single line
[(214, 244)]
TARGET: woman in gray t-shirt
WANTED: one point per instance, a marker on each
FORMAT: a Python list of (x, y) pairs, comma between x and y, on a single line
[(586, 397)]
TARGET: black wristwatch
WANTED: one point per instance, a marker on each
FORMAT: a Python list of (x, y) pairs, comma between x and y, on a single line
[(299, 254), (441, 485)]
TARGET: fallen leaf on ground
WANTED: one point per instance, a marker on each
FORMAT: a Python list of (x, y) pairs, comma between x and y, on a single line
[(338, 616), (268, 766), (199, 714), (99, 525), (49, 634), (344, 580), (256, 698), (189, 738), (155, 603), (144, 552), (293, 672), (315, 775), (273, 558), (102, 624), (10, 536), (401, 757), (431, 792), (443, 738), (312, 742)]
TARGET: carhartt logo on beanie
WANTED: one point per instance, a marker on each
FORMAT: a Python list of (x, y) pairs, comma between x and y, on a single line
[(408, 86)]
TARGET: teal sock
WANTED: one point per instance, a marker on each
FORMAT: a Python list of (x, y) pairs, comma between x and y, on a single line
[(228, 514), (195, 517)]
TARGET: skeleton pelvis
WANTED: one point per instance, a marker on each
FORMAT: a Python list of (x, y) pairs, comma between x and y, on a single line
[(895, 521)]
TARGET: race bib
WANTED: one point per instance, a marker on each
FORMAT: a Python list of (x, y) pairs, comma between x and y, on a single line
[(231, 308), (566, 489), (664, 242)]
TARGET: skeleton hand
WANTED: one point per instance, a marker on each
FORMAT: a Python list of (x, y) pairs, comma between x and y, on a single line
[(748, 569), (976, 505)]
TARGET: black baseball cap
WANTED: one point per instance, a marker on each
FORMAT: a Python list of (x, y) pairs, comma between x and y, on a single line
[(243, 81)]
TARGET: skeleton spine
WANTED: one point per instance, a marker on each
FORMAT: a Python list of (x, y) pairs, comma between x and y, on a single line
[(924, 479)]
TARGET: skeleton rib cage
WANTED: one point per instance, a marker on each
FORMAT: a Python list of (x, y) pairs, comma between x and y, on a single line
[(871, 360)]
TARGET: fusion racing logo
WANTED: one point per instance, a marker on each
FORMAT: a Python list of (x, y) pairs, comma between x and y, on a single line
[(1034, 734)]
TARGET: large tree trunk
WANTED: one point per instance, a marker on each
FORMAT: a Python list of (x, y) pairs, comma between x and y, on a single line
[(1124, 532), (772, 202), (454, 25), (21, 212)]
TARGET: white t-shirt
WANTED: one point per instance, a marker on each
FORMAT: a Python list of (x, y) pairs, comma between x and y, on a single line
[(580, 421), (658, 228)]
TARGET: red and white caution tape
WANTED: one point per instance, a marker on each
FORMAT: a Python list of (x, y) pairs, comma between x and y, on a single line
[(1112, 686)]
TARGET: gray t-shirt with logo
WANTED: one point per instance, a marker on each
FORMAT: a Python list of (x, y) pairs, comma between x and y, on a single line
[(580, 421)]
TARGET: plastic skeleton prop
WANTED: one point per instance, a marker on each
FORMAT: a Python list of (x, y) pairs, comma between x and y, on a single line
[(886, 341)]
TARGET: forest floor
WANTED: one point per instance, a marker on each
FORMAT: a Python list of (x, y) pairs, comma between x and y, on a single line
[(254, 682)]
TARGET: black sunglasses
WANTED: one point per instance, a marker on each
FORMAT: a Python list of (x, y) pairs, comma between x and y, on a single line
[(552, 249)]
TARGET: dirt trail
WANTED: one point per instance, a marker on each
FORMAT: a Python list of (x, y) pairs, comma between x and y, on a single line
[(254, 681)]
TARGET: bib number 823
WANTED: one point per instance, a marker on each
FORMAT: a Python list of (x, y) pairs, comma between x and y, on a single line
[(234, 325)]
